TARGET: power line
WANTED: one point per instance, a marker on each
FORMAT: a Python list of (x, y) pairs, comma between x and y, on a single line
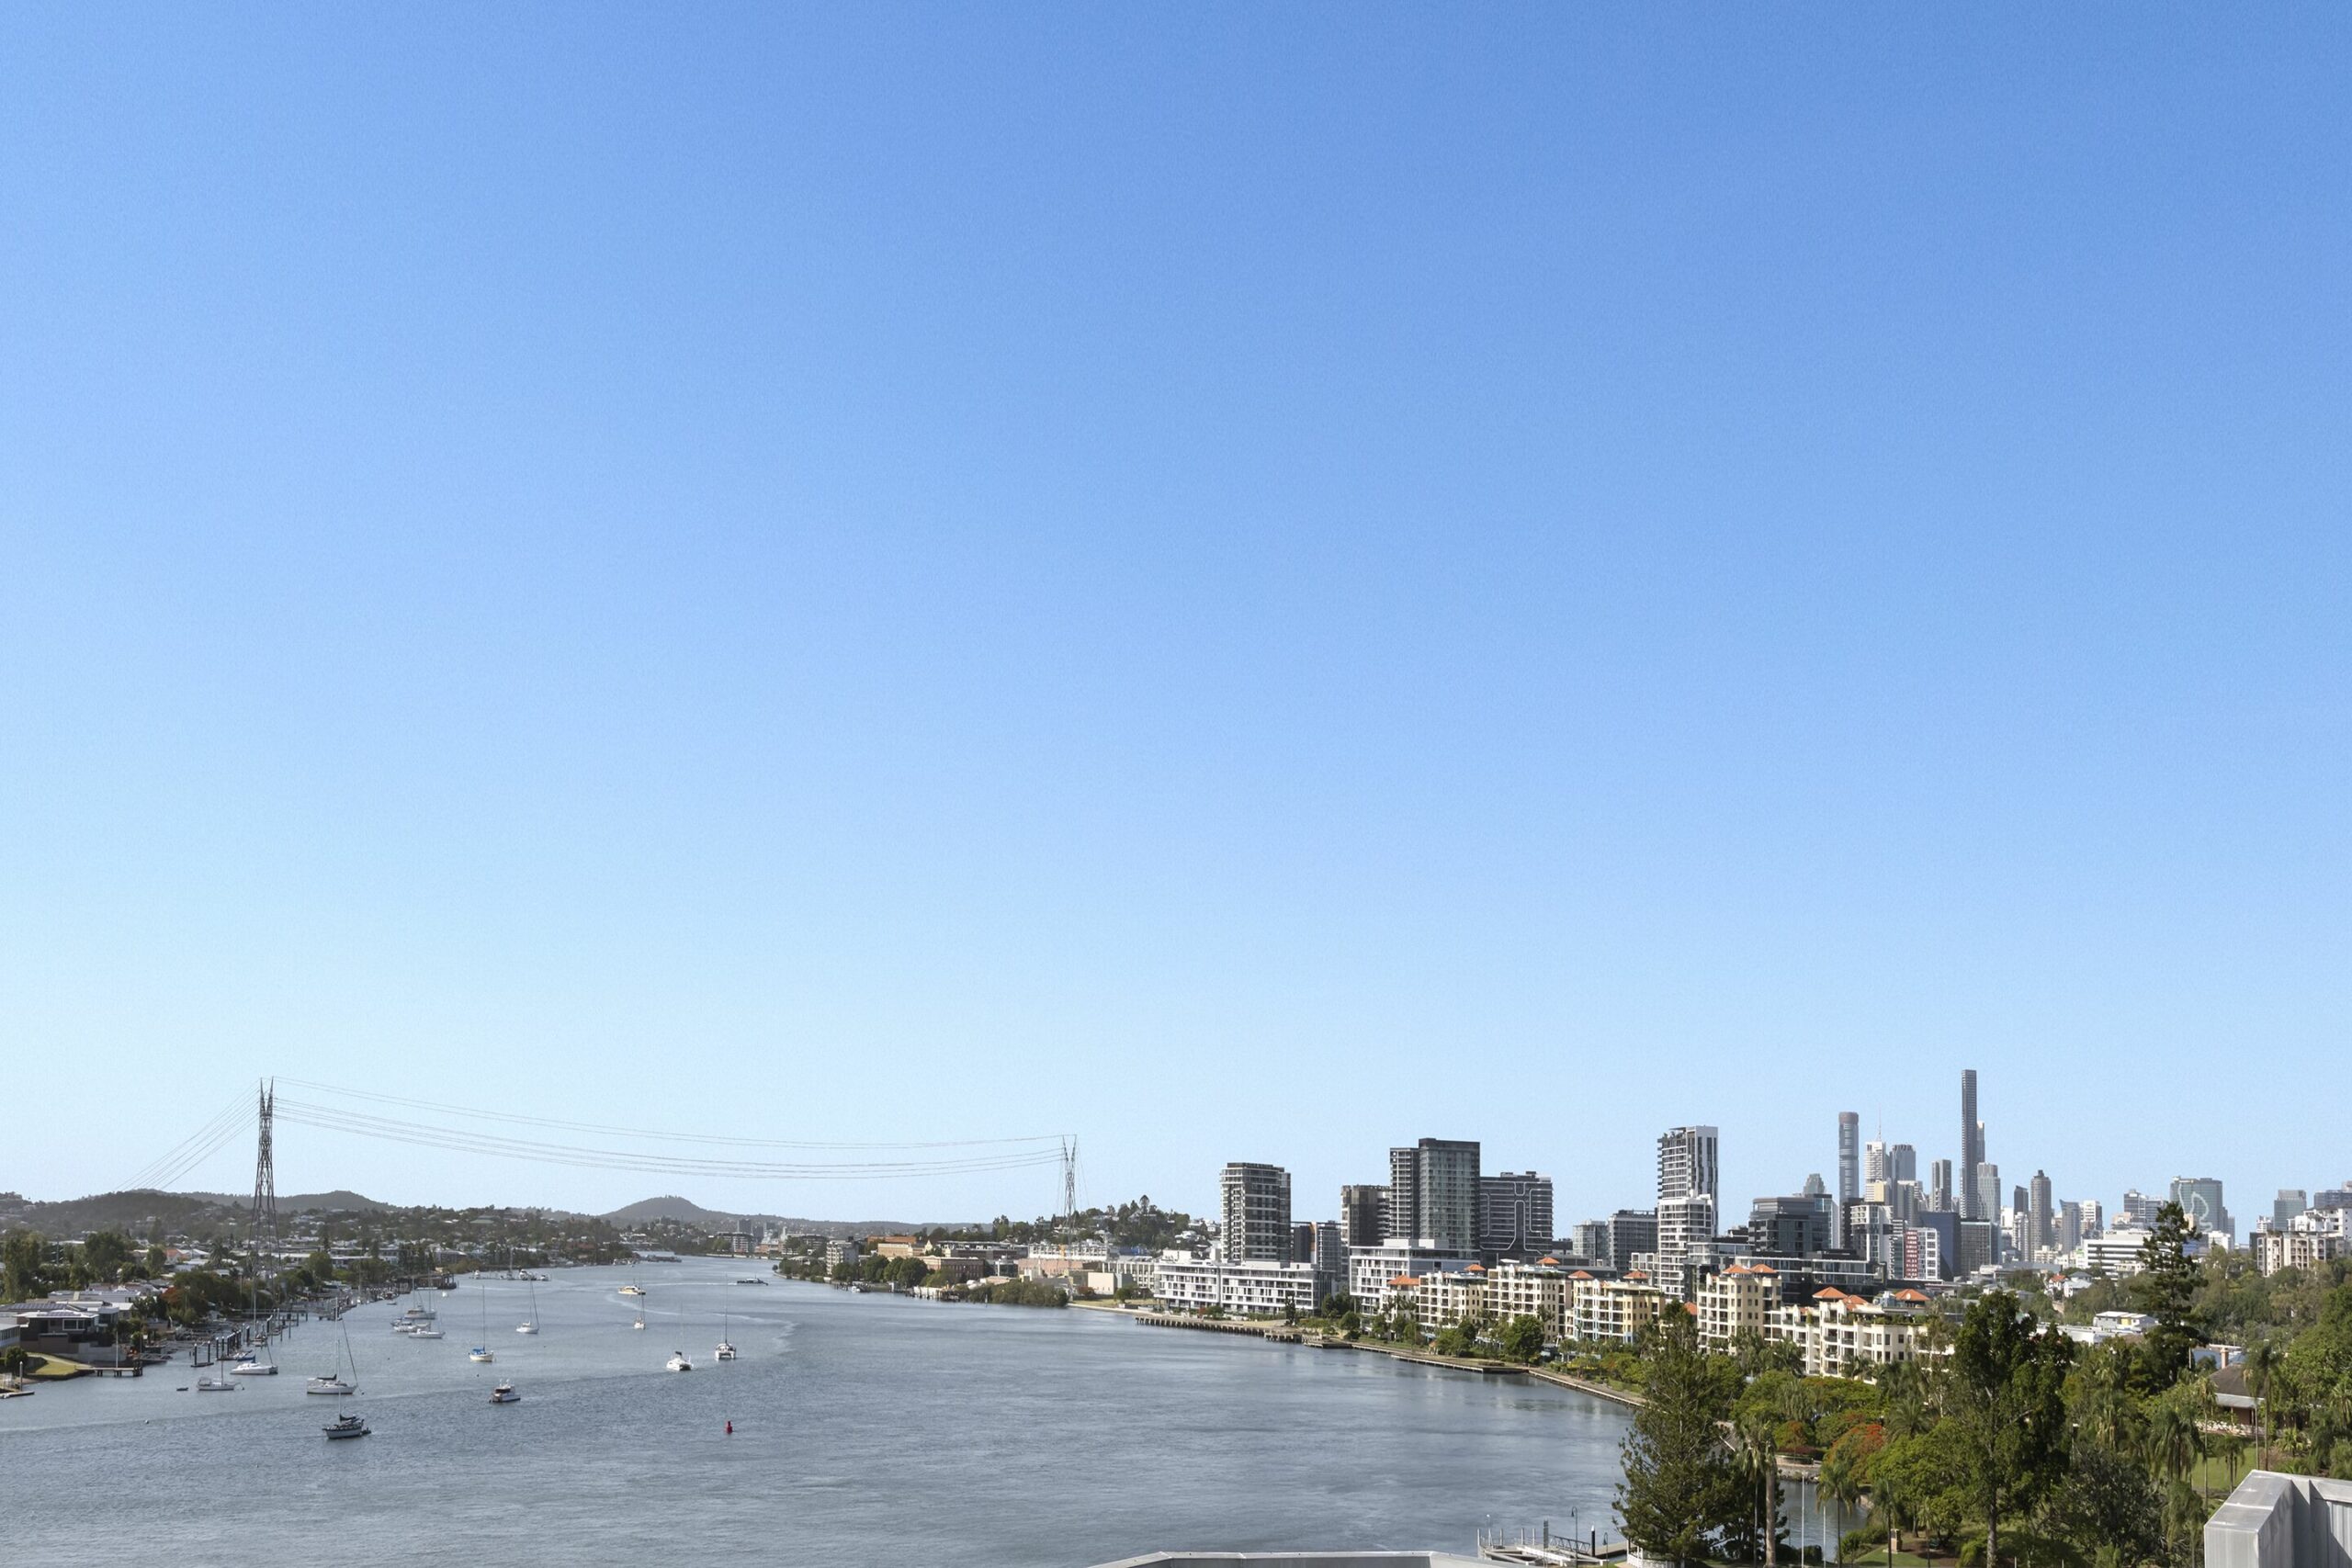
[(359, 1123), (516, 1118)]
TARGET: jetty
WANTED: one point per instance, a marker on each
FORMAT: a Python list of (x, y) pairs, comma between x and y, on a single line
[(1281, 1333)]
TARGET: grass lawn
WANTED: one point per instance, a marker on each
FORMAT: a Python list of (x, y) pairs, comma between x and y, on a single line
[(52, 1367), (2218, 1474)]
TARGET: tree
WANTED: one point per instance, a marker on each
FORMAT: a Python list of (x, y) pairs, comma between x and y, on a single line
[(2263, 1358), (2008, 1404), (2106, 1504), (1681, 1488), (2166, 1289), (105, 1252), (1756, 1442), (22, 1277), (1522, 1339)]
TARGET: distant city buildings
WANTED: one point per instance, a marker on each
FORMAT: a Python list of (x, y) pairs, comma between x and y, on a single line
[(1254, 1213)]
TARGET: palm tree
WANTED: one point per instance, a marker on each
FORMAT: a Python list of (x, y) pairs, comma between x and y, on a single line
[(2263, 1359), (1755, 1435), (1841, 1479)]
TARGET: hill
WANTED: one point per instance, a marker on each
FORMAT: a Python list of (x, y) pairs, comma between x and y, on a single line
[(683, 1210)]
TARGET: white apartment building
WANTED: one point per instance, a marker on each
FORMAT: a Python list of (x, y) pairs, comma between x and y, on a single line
[(1371, 1267), (1443, 1300), (2301, 1247), (1247, 1288), (1537, 1290), (1843, 1335), (1615, 1309), (1738, 1300)]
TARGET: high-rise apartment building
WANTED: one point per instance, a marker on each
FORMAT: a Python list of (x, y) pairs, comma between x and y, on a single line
[(1631, 1231), (1873, 1163), (2042, 1234), (1514, 1214), (1433, 1194), (1686, 1163), (1255, 1213), (1363, 1214)]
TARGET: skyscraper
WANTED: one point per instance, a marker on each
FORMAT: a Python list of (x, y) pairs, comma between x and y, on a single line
[(2289, 1202), (1939, 1186), (2200, 1198), (1849, 1174), (1972, 1147), (1255, 1213), (2042, 1234), (1874, 1164), (1988, 1195), (1902, 1163)]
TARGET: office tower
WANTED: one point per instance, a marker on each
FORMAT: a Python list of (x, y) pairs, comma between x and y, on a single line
[(1939, 1186), (1987, 1196), (1873, 1162), (2138, 1209), (1849, 1175), (1795, 1227), (2090, 1215), (2289, 1202), (1363, 1214), (2200, 1198), (1944, 1225), (2070, 1226), (2018, 1204), (1433, 1194), (1630, 1231), (1902, 1163), (1514, 1214), (2043, 1234), (1255, 1213), (2332, 1198), (1972, 1146), (1814, 1187), (1591, 1240)]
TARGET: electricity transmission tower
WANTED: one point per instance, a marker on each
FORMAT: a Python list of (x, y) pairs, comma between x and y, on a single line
[(1069, 1189), (265, 1218)]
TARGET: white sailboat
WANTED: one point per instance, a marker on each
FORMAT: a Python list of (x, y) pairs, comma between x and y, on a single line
[(726, 1351), (531, 1324), (263, 1365), (678, 1362), (333, 1381), (482, 1351)]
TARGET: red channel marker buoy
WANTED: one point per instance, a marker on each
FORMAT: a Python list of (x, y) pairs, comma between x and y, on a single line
[(731, 1429)]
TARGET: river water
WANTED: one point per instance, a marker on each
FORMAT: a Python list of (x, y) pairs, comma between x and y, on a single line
[(868, 1429)]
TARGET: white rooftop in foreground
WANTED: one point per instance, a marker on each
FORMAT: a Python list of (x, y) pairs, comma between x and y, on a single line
[(2282, 1521), (1298, 1559)]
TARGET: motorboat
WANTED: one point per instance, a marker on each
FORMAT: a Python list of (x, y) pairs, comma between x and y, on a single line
[(526, 1328), (428, 1334), (347, 1426), (504, 1394), (632, 1289), (406, 1328), (639, 1323), (726, 1352), (750, 1280), (249, 1367), (215, 1385), (678, 1362), (479, 1353)]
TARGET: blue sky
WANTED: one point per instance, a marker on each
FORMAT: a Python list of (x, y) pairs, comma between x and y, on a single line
[(1253, 584)]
